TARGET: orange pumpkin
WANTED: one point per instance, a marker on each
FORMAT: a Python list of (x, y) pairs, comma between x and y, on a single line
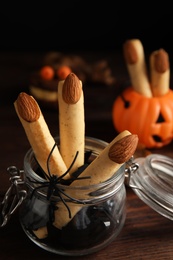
[(150, 118)]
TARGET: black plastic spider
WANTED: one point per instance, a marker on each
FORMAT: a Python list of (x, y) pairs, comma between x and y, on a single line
[(53, 180)]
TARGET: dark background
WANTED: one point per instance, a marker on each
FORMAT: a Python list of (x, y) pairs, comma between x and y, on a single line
[(84, 25)]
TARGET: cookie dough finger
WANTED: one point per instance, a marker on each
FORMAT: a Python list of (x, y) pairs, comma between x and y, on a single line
[(101, 169), (38, 134), (135, 61), (71, 121), (159, 72)]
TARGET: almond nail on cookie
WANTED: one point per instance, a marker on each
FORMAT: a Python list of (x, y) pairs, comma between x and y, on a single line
[(38, 134), (71, 121), (135, 60), (100, 169), (159, 72)]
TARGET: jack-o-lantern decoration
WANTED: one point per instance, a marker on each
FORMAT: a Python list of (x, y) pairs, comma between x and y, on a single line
[(146, 108), (150, 118)]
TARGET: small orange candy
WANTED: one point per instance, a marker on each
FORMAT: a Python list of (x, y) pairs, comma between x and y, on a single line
[(47, 73), (63, 72)]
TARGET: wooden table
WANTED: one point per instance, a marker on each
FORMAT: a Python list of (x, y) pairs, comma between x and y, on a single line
[(146, 234)]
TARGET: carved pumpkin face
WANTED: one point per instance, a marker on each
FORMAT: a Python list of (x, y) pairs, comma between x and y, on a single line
[(150, 118)]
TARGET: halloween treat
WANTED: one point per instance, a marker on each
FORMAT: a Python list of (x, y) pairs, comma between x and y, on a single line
[(46, 73), (44, 84), (150, 116), (71, 121), (160, 72), (56, 66), (40, 140), (57, 165), (39, 135), (117, 152), (41, 233), (101, 169), (135, 60)]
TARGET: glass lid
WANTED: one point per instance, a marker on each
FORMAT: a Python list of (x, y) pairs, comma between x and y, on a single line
[(152, 181)]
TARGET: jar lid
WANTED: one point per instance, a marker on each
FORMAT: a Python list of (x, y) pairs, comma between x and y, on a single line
[(153, 183)]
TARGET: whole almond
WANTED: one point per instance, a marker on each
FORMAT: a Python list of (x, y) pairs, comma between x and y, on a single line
[(122, 150), (161, 61), (27, 107), (72, 89), (130, 53)]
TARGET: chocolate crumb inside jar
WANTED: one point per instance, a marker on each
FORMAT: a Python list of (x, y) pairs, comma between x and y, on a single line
[(101, 208)]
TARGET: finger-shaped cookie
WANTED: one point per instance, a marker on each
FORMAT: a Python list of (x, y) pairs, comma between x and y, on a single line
[(159, 72), (38, 134), (135, 60), (71, 121), (100, 169)]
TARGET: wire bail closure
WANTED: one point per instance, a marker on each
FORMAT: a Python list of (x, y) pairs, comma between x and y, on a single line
[(14, 196), (131, 167)]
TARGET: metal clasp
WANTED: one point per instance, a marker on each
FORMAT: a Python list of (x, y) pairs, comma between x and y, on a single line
[(131, 168), (14, 196)]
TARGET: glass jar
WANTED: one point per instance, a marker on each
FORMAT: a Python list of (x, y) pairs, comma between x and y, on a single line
[(101, 208), (153, 183), (100, 214)]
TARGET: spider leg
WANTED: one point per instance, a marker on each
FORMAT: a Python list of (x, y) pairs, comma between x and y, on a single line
[(71, 198), (69, 167), (65, 204), (48, 159)]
